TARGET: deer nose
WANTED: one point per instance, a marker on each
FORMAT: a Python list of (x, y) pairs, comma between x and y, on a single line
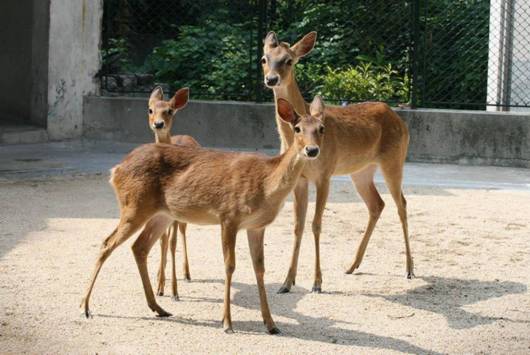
[(159, 124), (312, 151), (272, 80)]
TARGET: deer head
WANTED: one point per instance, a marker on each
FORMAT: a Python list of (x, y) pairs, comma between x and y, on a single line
[(161, 112), (279, 58), (308, 129)]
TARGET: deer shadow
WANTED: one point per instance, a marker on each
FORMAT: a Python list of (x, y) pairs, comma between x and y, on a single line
[(445, 296), (448, 296), (304, 327)]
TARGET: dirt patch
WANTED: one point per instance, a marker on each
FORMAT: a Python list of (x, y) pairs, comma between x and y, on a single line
[(471, 250)]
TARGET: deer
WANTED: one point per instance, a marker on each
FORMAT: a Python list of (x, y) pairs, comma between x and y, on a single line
[(359, 138), (160, 118), (159, 183)]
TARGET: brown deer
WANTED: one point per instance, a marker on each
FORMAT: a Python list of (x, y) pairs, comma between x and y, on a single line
[(358, 139), (159, 183), (161, 114)]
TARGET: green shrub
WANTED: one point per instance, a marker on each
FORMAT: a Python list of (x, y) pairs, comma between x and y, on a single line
[(365, 82), (211, 59), (116, 57)]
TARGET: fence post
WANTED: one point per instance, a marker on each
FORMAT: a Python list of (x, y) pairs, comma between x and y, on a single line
[(413, 84)]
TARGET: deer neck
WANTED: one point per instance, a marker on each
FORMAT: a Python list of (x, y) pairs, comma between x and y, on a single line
[(285, 173), (163, 137), (291, 93)]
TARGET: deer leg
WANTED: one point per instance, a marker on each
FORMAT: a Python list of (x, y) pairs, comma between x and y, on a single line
[(364, 183), (300, 211), (127, 226), (163, 262), (173, 249), (229, 252), (182, 230), (393, 173), (322, 197), (141, 247), (255, 244)]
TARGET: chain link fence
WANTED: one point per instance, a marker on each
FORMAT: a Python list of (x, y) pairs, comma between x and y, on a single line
[(465, 54)]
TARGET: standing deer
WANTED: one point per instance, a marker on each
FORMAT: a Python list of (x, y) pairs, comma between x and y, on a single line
[(358, 139), (161, 115), (160, 183)]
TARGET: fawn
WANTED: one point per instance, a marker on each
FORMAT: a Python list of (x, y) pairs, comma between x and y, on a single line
[(358, 139), (159, 183), (161, 114)]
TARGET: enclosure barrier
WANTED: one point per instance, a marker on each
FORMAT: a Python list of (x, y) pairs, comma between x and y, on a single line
[(472, 54)]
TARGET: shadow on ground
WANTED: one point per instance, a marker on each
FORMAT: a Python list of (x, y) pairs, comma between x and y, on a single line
[(445, 296), (448, 296)]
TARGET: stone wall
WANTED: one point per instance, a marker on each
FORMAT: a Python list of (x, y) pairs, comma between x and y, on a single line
[(448, 136)]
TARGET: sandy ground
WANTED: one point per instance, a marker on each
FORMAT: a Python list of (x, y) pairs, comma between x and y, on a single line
[(471, 249)]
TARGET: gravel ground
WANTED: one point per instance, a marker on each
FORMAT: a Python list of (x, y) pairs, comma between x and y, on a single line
[(471, 249)]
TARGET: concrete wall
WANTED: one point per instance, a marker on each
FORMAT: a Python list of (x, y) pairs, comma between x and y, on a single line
[(73, 62), (463, 137), (15, 59), (215, 124), (469, 137)]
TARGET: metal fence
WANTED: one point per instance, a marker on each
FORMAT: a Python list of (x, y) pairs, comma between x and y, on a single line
[(468, 54)]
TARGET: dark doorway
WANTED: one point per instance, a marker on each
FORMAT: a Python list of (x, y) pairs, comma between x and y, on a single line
[(24, 28)]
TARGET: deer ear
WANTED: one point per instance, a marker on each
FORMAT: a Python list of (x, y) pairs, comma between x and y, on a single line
[(271, 39), (286, 111), (180, 99), (317, 107), (156, 95), (305, 45)]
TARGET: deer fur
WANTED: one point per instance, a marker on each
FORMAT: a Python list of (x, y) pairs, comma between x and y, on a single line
[(161, 115), (359, 138), (159, 183)]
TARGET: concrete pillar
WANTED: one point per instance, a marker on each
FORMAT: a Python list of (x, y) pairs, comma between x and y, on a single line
[(39, 63), (520, 83), (74, 60), (499, 57), (509, 55)]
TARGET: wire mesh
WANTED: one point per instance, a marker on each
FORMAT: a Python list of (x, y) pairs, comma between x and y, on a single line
[(470, 54)]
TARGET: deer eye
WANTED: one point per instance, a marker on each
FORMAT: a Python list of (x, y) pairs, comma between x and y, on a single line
[(170, 112), (288, 62), (150, 111), (321, 130), (263, 60), (297, 129)]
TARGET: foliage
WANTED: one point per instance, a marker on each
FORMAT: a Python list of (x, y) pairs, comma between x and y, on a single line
[(455, 49), (116, 56), (363, 50), (365, 82), (211, 59)]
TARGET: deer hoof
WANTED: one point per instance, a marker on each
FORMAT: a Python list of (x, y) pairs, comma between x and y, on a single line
[(284, 289), (160, 293), (175, 298), (410, 275), (228, 329), (274, 330), (352, 269), (317, 289), (161, 313), (88, 314)]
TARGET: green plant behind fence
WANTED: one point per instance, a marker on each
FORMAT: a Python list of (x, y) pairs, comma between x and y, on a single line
[(432, 51)]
